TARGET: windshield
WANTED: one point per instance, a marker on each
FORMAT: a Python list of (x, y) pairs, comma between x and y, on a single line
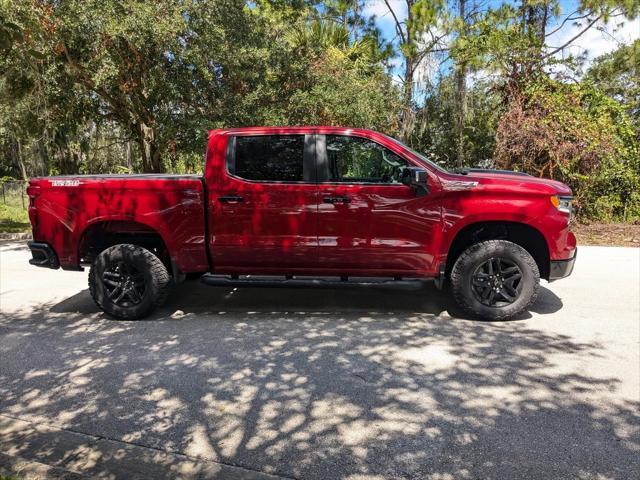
[(419, 155)]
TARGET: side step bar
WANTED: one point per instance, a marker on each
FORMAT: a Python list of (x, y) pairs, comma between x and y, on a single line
[(291, 282)]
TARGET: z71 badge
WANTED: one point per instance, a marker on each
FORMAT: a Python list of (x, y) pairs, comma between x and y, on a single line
[(65, 183)]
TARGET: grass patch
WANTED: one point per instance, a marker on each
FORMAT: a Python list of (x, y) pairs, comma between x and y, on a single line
[(13, 219)]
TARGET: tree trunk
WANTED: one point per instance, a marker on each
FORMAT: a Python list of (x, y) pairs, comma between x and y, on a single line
[(42, 155), (151, 159), (156, 159), (406, 31), (406, 119), (461, 97), (23, 170), (129, 157), (461, 114)]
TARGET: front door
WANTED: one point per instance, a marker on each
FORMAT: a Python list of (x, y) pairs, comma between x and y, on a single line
[(369, 222), (264, 205)]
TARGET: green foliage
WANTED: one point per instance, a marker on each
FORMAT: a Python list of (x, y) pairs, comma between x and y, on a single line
[(146, 80), (152, 65), (319, 73), (425, 16), (435, 123), (9, 34), (618, 75), (334, 95), (576, 134)]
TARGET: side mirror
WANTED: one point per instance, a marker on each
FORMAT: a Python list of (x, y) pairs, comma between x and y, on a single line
[(417, 178)]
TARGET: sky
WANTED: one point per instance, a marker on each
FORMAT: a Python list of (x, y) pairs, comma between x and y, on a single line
[(594, 42)]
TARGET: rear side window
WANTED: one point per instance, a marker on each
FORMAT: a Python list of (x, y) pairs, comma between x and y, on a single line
[(276, 158)]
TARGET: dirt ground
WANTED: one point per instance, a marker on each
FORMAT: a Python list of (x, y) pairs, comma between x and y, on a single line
[(608, 234)]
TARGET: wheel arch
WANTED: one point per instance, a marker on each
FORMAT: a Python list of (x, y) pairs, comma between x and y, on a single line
[(103, 234), (528, 237)]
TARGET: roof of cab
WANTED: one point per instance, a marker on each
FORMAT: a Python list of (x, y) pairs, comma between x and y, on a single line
[(285, 130)]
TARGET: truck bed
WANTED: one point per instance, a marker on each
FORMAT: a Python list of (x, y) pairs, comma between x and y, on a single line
[(63, 209)]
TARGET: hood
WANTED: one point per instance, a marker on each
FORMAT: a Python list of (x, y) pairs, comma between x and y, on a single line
[(491, 179)]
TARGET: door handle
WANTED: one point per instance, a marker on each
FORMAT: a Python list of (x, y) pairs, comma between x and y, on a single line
[(334, 200), (230, 199)]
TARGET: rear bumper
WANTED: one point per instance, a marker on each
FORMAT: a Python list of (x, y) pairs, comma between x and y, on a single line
[(43, 255), (562, 268)]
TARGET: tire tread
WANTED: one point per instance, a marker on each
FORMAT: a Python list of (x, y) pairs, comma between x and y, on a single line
[(457, 278), (158, 272)]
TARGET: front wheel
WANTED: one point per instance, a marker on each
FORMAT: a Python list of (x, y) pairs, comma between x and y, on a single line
[(495, 280), (128, 281)]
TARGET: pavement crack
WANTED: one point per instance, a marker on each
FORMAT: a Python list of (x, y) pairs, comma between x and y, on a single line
[(97, 437), (361, 377)]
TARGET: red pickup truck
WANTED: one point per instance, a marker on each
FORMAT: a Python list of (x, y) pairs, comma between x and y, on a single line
[(306, 203)]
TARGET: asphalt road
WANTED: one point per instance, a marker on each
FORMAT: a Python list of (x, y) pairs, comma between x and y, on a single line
[(323, 384)]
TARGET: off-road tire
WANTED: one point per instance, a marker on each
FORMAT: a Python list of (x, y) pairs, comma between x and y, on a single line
[(474, 256), (157, 281)]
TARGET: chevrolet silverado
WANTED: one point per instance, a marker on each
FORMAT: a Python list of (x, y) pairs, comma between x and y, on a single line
[(306, 204)]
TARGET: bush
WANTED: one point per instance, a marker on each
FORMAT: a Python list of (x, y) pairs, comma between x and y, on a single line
[(578, 135)]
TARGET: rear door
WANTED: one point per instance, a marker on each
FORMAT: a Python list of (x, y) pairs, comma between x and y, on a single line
[(369, 222), (264, 204)]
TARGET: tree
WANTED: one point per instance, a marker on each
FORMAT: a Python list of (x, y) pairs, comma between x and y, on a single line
[(321, 72), (575, 134), (513, 42), (93, 83), (151, 65), (438, 117), (425, 27), (461, 86), (618, 75)]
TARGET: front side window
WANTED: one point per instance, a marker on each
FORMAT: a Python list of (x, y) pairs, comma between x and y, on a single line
[(277, 158), (358, 160)]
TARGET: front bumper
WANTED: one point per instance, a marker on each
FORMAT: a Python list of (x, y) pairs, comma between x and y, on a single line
[(43, 255), (562, 268)]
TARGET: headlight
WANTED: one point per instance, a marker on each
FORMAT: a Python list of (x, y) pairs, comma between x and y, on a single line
[(563, 204)]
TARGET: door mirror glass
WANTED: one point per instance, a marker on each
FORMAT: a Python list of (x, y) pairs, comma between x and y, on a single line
[(416, 178)]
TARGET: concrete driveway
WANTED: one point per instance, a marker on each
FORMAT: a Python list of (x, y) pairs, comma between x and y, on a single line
[(322, 384)]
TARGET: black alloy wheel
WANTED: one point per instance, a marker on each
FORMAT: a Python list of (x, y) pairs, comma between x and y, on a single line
[(128, 281), (497, 282), (124, 284)]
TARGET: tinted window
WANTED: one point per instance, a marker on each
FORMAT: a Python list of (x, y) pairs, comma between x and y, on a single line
[(353, 159), (269, 158)]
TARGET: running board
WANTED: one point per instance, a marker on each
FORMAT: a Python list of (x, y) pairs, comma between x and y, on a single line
[(292, 282)]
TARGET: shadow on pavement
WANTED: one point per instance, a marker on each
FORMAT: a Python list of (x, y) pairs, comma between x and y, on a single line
[(13, 245), (195, 298), (316, 385)]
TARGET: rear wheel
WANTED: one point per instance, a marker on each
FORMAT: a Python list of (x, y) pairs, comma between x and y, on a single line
[(128, 281), (495, 280)]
